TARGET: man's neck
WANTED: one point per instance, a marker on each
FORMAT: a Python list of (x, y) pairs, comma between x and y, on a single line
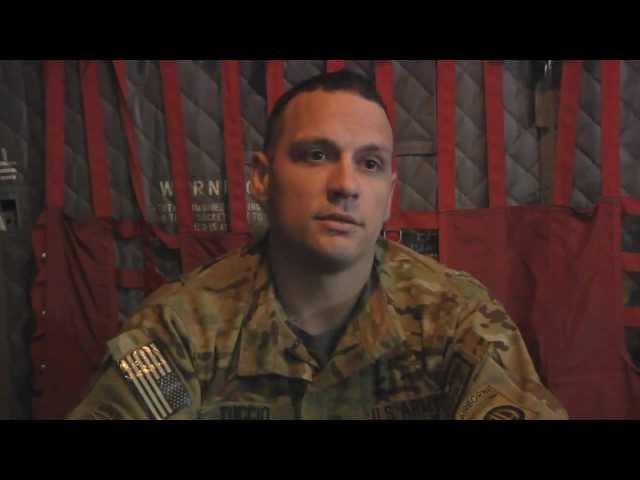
[(314, 299)]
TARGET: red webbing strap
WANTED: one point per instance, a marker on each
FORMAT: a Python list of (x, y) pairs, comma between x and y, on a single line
[(130, 278), (416, 220), (446, 114), (275, 82), (385, 86), (106, 325), (96, 139), (631, 262), (610, 128), (176, 142), (335, 65), (129, 130), (567, 126), (631, 206), (234, 147), (399, 219), (138, 279), (127, 229), (632, 316), (54, 77), (134, 155), (610, 125), (494, 109)]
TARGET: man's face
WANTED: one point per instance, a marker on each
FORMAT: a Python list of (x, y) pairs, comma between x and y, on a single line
[(327, 188)]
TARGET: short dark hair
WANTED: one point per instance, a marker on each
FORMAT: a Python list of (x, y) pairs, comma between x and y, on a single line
[(342, 80)]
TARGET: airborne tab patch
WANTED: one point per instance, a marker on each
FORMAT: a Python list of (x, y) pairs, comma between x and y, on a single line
[(489, 404), (154, 381)]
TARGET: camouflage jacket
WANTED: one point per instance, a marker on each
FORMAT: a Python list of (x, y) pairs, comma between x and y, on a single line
[(425, 342)]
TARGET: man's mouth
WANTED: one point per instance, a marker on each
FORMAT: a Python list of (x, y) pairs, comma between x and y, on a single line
[(339, 217)]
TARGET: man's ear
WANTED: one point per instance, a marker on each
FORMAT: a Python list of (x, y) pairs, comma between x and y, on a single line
[(394, 184), (260, 178)]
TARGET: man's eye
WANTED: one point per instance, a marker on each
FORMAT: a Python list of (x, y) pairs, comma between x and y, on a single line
[(372, 164), (317, 155)]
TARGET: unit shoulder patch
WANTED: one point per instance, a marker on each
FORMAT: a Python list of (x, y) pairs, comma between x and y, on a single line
[(505, 412)]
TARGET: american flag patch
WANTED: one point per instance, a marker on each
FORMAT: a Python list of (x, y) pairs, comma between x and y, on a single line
[(154, 381)]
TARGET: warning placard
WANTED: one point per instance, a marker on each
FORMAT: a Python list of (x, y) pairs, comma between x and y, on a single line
[(208, 205)]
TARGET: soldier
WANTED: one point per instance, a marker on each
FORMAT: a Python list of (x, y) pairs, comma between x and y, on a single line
[(321, 318)]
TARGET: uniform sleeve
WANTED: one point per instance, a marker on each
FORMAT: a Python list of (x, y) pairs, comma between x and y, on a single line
[(489, 374), (148, 374)]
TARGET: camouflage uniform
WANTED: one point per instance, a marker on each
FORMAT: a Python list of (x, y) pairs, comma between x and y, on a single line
[(424, 342)]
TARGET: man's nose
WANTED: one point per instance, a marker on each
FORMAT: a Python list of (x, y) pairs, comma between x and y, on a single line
[(343, 182)]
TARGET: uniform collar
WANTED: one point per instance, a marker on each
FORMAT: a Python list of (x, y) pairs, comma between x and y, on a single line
[(267, 346)]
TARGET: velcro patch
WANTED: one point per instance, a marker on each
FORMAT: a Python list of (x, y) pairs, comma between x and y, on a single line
[(154, 381), (457, 378), (422, 408), (237, 411)]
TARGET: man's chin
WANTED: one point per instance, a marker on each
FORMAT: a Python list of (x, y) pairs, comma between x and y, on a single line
[(334, 254), (325, 252)]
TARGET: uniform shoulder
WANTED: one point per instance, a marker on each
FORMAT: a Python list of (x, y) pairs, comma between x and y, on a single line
[(201, 301), (219, 276), (406, 267)]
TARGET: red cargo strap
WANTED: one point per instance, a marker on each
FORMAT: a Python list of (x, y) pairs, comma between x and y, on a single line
[(399, 219), (631, 261), (632, 316), (275, 82), (385, 87), (129, 229), (631, 206), (126, 278), (177, 145), (96, 139), (495, 133), (54, 76), (567, 126), (446, 114), (335, 65), (413, 220), (610, 128), (611, 168), (129, 130), (234, 147), (134, 156), (446, 135)]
